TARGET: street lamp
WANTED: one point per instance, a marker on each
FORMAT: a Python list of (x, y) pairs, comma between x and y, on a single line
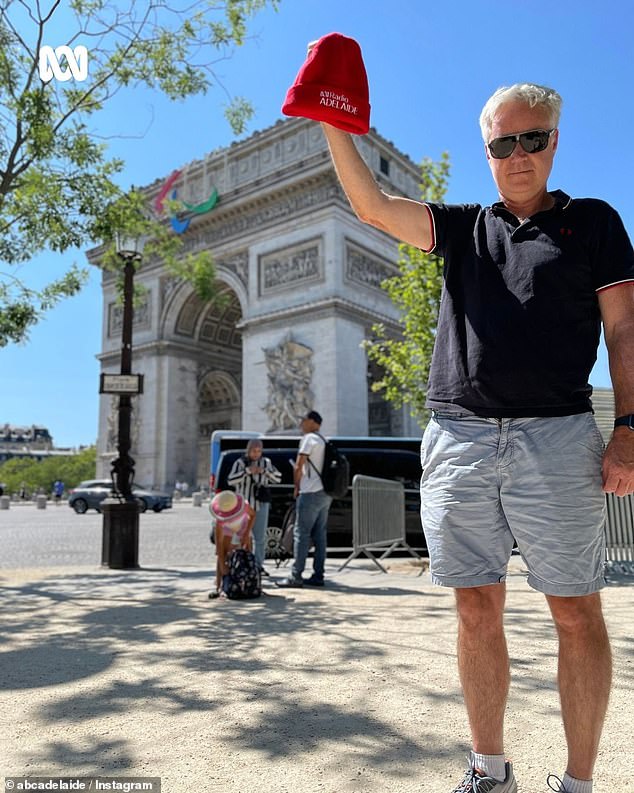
[(120, 539)]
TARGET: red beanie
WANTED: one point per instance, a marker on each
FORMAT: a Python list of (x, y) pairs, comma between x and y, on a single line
[(332, 86)]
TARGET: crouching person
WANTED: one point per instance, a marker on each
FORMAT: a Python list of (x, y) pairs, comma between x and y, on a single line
[(237, 574)]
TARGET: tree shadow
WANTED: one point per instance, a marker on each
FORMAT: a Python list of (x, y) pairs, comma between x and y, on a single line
[(150, 642)]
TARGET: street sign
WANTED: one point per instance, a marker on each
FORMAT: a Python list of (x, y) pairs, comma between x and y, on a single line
[(120, 383)]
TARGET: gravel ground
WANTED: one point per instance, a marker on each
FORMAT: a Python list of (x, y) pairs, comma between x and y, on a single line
[(351, 689)]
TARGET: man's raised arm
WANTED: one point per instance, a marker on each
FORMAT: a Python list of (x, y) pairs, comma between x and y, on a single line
[(407, 220)]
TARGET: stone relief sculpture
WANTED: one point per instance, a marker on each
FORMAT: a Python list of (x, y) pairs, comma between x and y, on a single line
[(367, 270), (287, 267), (290, 373), (112, 435), (168, 285), (140, 319)]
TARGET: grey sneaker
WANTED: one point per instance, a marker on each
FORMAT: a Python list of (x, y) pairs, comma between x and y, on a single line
[(474, 782)]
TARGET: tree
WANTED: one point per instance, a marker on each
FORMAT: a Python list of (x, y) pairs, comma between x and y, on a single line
[(405, 361), (55, 177), (40, 474)]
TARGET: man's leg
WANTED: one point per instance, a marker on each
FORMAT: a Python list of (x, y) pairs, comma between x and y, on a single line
[(584, 676), (304, 516), (319, 535), (483, 663)]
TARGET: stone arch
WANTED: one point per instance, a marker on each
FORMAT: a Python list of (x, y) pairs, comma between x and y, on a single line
[(182, 308), (211, 323), (219, 407), (208, 333)]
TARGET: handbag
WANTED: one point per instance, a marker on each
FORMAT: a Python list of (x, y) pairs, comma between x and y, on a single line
[(262, 494)]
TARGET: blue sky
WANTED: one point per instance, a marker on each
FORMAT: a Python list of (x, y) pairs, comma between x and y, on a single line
[(431, 67)]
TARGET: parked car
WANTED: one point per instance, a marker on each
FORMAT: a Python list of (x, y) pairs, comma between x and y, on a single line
[(90, 493), (365, 456)]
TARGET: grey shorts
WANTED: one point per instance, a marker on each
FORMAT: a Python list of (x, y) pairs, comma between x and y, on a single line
[(487, 482)]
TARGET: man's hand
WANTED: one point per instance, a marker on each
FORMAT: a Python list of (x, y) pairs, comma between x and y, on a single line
[(618, 463)]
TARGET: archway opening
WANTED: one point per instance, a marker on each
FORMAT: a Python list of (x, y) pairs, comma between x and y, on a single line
[(219, 352)]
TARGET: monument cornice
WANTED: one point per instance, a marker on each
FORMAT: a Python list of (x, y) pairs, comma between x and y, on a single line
[(194, 351), (220, 230), (326, 308), (266, 211)]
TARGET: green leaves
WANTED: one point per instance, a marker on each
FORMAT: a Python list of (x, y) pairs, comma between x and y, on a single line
[(58, 188), (21, 307), (416, 292), (130, 216), (238, 114), (35, 475)]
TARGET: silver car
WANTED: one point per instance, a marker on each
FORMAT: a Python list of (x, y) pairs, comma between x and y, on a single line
[(90, 493)]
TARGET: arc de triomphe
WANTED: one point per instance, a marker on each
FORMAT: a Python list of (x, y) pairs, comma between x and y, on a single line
[(302, 279)]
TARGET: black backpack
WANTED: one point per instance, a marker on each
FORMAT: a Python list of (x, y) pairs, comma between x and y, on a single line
[(335, 475), (244, 579)]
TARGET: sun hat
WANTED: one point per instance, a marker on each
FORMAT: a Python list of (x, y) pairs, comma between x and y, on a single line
[(332, 86), (227, 505)]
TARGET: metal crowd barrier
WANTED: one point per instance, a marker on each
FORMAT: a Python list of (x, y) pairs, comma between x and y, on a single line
[(378, 519), (619, 534)]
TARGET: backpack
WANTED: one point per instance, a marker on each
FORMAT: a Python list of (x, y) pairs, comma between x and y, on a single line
[(244, 579), (287, 541), (335, 475)]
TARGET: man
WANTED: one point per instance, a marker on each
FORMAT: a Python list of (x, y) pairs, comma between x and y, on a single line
[(512, 450), (58, 490), (311, 510)]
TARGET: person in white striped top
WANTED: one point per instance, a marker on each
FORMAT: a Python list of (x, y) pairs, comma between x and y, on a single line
[(251, 476)]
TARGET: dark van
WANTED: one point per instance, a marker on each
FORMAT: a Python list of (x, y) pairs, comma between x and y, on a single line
[(387, 458)]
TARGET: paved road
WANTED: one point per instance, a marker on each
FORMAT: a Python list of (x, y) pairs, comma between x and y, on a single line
[(57, 537)]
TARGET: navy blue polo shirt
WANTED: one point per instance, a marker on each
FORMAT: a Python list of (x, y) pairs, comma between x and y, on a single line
[(519, 321)]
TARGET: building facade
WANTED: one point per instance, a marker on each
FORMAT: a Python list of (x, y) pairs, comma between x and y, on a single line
[(301, 284)]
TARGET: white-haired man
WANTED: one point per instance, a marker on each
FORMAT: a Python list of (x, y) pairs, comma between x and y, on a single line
[(512, 451)]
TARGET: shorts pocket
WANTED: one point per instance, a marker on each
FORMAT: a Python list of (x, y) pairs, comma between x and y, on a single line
[(443, 414)]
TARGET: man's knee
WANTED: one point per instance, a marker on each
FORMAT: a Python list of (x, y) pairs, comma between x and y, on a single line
[(576, 615), (481, 608)]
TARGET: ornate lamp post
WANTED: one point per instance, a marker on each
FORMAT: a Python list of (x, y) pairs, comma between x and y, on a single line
[(120, 538)]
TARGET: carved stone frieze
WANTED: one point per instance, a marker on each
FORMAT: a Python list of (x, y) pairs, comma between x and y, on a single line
[(289, 266), (365, 268), (276, 211), (272, 156), (141, 317)]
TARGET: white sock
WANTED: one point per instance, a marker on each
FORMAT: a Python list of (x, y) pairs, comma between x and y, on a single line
[(493, 765), (572, 785)]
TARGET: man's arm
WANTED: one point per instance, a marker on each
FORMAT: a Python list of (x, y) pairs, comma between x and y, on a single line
[(298, 471), (407, 220), (617, 313)]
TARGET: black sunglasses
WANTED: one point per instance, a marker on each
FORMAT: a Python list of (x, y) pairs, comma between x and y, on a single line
[(533, 141)]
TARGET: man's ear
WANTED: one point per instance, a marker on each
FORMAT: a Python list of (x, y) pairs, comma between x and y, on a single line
[(555, 139)]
